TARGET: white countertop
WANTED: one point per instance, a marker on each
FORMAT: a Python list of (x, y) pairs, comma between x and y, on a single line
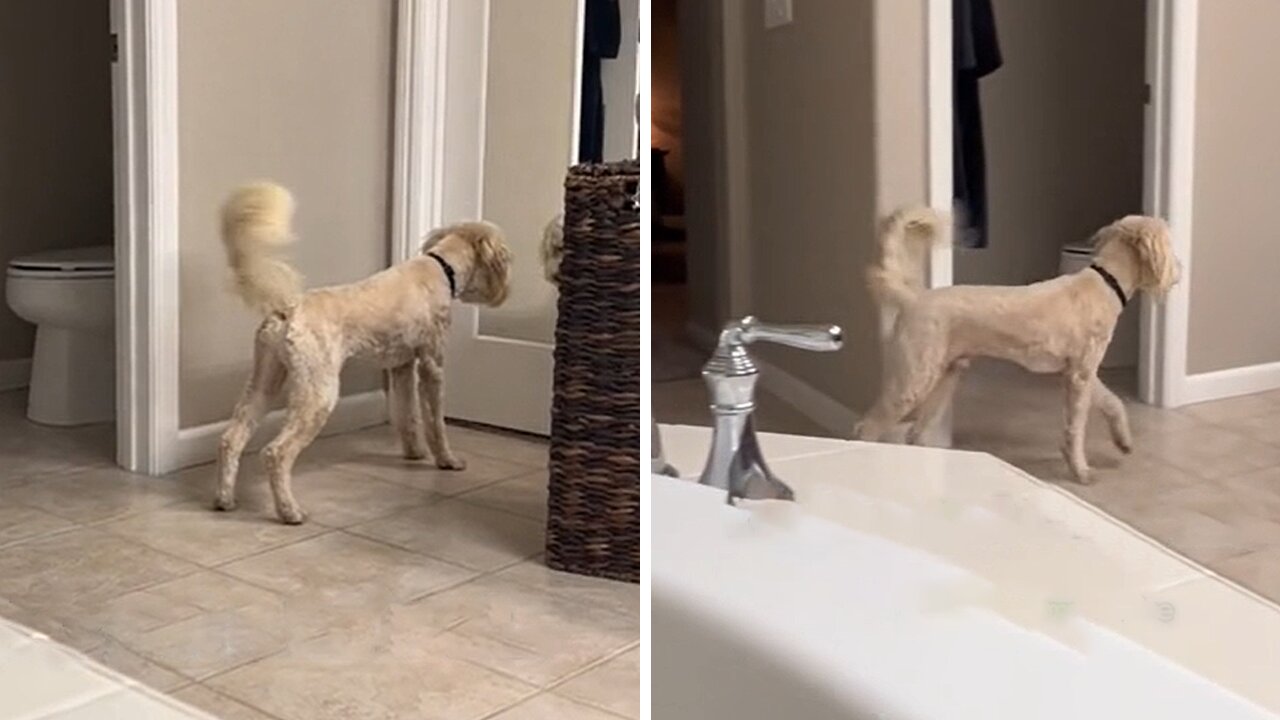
[(900, 569)]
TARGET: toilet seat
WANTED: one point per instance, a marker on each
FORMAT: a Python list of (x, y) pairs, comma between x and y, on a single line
[(73, 263)]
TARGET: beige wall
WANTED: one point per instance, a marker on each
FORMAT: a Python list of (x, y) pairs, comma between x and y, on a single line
[(699, 96), (55, 136), (1064, 131), (295, 90), (810, 89), (795, 138), (1237, 170)]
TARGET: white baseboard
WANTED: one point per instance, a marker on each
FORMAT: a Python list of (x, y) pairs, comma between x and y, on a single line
[(15, 374), (805, 398), (199, 445), (809, 401), (1221, 384)]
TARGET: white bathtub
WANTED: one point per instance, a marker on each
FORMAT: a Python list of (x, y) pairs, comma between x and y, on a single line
[(911, 583)]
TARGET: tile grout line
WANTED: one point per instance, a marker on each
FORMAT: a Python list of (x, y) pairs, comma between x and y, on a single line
[(232, 698), (524, 470), (219, 568), (327, 530), (570, 677)]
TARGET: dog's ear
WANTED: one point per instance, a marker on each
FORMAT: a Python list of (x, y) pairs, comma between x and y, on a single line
[(493, 258), (1148, 239)]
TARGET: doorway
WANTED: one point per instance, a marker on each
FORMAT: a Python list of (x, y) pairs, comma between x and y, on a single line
[(1063, 142), (1167, 48), (56, 201)]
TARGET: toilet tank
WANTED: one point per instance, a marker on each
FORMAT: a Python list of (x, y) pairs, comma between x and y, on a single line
[(1123, 351)]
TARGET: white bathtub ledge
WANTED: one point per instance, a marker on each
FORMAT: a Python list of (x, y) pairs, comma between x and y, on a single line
[(874, 586)]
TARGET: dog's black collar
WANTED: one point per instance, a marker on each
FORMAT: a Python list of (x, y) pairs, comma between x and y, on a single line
[(1112, 281), (448, 273)]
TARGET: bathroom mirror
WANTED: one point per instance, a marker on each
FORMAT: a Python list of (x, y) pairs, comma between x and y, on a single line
[(560, 88), (608, 127)]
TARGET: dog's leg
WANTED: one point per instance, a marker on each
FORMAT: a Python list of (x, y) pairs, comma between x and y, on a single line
[(431, 385), (309, 408), (406, 411), (264, 383), (1077, 413), (905, 389), (894, 405), (936, 402), (1112, 408)]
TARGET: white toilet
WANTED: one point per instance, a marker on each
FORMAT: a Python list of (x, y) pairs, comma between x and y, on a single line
[(1123, 351), (69, 295)]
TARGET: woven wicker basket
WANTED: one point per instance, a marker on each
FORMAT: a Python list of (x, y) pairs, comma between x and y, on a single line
[(593, 519)]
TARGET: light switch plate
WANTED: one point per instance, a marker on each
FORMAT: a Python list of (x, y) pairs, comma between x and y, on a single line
[(776, 13)]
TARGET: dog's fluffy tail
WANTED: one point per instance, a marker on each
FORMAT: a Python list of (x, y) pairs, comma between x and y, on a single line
[(256, 225), (896, 280)]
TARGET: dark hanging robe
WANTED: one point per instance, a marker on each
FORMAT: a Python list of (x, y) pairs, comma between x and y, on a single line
[(601, 38), (976, 55)]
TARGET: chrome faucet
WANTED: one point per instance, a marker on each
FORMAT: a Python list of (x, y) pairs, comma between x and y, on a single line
[(736, 464)]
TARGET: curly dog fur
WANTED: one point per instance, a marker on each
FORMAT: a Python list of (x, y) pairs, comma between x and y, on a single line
[(397, 319), (552, 249), (1060, 326)]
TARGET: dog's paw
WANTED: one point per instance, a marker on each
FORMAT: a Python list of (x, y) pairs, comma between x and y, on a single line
[(1084, 477), (451, 463), (413, 453), (224, 504), (1123, 444), (292, 516)]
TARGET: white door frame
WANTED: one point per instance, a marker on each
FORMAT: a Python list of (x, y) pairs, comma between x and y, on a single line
[(145, 96), (1167, 182), (417, 186), (1168, 188)]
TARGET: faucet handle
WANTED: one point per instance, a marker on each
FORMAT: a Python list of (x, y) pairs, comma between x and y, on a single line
[(819, 338)]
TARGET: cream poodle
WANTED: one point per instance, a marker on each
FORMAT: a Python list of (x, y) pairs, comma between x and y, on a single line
[(553, 249), (1061, 326), (397, 318)]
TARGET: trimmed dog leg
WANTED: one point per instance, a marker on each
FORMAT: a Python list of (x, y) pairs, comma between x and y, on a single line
[(309, 408), (1077, 413), (1112, 408), (895, 403), (935, 403), (431, 385), (264, 383), (406, 411)]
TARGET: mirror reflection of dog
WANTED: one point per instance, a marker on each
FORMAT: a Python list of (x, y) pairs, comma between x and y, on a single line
[(397, 319), (1059, 326), (553, 249)]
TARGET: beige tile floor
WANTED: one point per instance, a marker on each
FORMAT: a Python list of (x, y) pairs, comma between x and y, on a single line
[(411, 592), (1204, 479)]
